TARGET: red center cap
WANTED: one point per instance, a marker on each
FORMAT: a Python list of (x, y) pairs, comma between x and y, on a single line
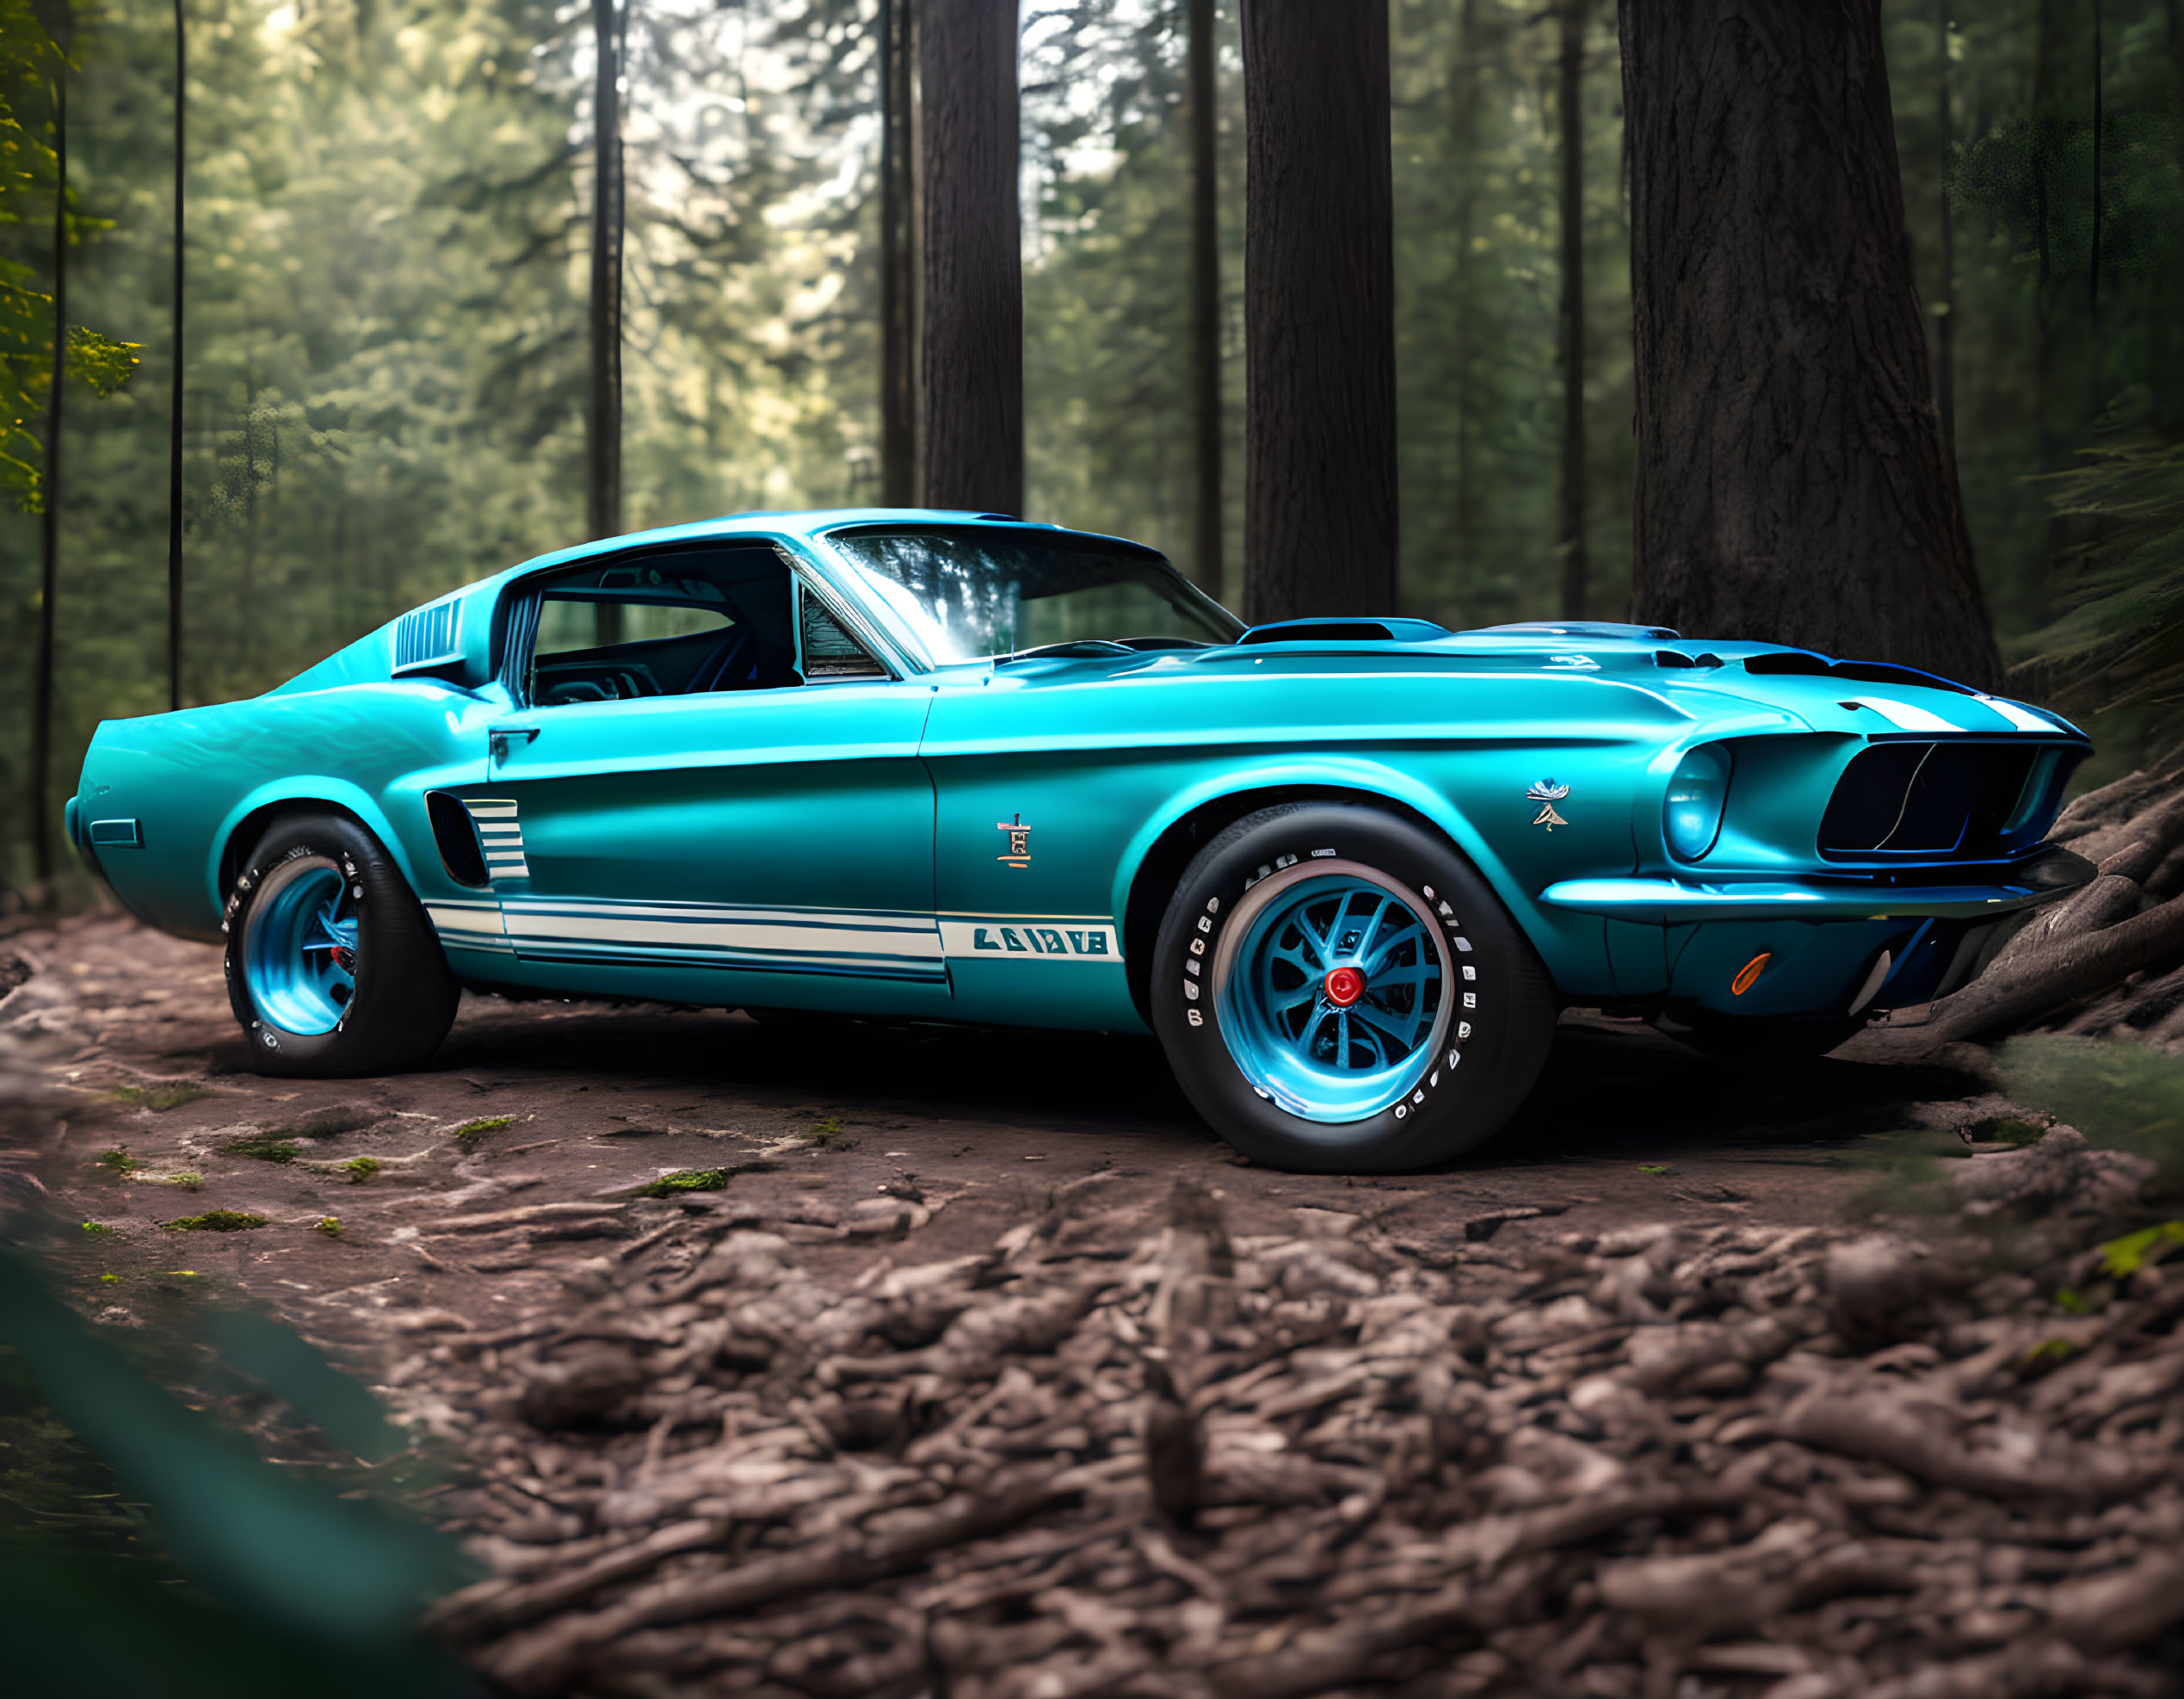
[(1344, 986)]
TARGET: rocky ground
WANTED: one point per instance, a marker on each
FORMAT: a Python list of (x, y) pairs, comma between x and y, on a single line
[(831, 1360)]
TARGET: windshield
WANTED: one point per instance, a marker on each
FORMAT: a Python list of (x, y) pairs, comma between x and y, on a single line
[(969, 594)]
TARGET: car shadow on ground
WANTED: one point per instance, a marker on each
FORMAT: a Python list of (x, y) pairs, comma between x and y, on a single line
[(1610, 1091)]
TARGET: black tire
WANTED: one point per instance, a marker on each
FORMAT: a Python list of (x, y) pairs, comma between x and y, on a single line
[(403, 998), (1457, 1100), (1766, 1037)]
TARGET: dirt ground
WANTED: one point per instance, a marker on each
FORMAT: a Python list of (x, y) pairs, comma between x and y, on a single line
[(970, 1362), (871, 1144)]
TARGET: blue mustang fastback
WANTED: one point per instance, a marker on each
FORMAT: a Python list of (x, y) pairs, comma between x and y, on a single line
[(936, 766)]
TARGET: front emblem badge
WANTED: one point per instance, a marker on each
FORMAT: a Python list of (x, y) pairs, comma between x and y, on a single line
[(1019, 851), (1546, 793)]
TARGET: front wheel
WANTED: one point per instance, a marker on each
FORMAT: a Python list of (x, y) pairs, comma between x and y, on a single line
[(332, 966), (1338, 990)]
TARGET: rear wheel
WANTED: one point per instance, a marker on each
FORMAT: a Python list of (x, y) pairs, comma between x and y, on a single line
[(332, 966), (1338, 990)]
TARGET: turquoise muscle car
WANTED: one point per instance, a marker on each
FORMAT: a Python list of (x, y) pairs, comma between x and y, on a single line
[(936, 766)]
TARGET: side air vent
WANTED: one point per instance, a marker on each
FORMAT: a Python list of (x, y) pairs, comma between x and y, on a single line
[(459, 852), (430, 637), (1799, 663), (1345, 631)]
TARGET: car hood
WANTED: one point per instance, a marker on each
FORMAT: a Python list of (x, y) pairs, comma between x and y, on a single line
[(1703, 679)]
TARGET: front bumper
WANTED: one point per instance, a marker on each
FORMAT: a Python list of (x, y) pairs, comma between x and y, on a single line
[(2049, 872)]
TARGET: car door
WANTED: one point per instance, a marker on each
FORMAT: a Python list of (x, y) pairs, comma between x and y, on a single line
[(763, 839)]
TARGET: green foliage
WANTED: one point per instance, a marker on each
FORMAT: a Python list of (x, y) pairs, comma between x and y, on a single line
[(331, 1226), (29, 61), (118, 1161), (103, 364), (166, 1094), (216, 1221), (189, 1180), (360, 1169), (146, 1548), (2120, 1258), (100, 1229), (690, 1180), (2120, 642), (2118, 1094), (470, 1131), (264, 1148)]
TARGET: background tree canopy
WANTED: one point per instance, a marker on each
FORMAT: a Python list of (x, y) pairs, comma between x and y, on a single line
[(388, 244)]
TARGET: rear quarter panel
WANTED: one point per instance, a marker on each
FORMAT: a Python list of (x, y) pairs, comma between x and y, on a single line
[(193, 778)]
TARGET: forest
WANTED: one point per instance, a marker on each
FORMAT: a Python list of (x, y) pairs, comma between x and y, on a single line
[(456, 289)]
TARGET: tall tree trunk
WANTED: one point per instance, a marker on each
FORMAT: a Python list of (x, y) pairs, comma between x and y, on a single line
[(49, 497), (2051, 35), (1319, 473), (970, 379), (1573, 538), (898, 262), (1206, 299), (1945, 375), (603, 438), (1791, 483), (176, 385), (1464, 138), (2099, 399)]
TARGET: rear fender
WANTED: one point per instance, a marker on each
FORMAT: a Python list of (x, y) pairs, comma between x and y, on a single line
[(298, 792)]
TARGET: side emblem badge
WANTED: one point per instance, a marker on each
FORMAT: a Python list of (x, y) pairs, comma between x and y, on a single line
[(1546, 793), (1019, 851)]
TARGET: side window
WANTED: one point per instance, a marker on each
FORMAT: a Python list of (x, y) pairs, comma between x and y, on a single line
[(830, 652), (670, 623)]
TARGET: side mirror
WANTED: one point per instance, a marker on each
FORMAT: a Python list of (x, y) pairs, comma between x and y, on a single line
[(453, 638)]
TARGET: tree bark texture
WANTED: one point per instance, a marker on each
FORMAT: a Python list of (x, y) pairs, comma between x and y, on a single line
[(1205, 300), (898, 262), (971, 376), (176, 384), (1944, 321), (49, 497), (1319, 311), (1791, 480), (1575, 14), (603, 438)]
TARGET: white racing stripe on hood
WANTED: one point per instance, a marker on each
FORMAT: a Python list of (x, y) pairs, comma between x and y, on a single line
[(2023, 719), (1902, 716)]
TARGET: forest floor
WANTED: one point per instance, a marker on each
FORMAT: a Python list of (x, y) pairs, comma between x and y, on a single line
[(1666, 1293)]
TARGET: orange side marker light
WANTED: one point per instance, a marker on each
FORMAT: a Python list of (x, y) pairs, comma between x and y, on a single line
[(1747, 975)]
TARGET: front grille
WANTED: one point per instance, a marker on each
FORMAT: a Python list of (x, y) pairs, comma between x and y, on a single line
[(1959, 800)]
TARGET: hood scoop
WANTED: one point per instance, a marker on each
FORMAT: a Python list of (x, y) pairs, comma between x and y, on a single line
[(1344, 631)]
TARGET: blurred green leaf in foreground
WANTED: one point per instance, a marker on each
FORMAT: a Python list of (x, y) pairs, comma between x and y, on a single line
[(144, 1549)]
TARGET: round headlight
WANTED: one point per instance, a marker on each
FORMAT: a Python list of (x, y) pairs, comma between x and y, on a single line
[(1691, 819)]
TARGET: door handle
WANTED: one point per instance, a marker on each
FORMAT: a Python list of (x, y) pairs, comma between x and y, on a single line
[(505, 735)]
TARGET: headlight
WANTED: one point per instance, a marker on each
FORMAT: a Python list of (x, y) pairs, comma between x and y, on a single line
[(1691, 819)]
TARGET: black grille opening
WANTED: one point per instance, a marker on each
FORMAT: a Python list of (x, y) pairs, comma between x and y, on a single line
[(1916, 799)]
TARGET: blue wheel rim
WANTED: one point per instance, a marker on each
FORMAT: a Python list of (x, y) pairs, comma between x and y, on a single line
[(1315, 1058), (300, 949)]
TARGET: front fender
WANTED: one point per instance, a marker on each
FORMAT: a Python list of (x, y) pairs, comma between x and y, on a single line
[(1573, 945)]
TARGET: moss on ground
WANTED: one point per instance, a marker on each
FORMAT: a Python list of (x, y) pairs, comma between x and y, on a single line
[(216, 1221), (162, 1094)]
